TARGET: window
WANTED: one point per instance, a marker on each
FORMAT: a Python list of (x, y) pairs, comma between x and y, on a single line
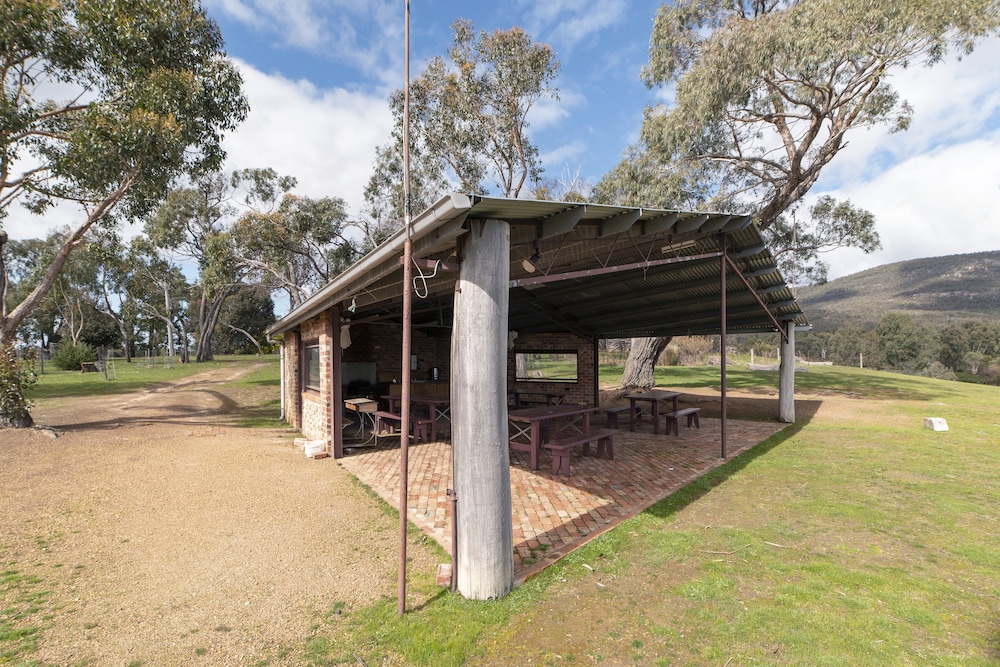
[(310, 366), (545, 366)]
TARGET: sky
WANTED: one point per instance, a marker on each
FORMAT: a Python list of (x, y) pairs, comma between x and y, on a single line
[(318, 74)]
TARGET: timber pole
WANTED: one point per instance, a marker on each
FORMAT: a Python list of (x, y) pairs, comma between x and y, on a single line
[(786, 385), (480, 450)]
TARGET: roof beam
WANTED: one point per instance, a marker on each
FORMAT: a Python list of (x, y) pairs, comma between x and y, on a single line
[(617, 224), (587, 273), (562, 222), (659, 224), (691, 224)]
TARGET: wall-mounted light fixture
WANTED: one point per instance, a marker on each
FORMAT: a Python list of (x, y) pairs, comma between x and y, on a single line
[(529, 263), (354, 305)]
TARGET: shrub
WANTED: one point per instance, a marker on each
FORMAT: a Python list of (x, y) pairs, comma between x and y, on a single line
[(16, 375), (69, 356), (938, 370)]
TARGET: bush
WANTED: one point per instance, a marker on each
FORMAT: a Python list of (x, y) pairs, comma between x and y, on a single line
[(938, 370), (69, 356), (16, 375)]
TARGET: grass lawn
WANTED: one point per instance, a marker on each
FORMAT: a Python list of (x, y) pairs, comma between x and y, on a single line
[(854, 537), (55, 383)]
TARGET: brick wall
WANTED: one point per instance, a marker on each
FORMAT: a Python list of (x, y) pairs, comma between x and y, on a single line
[(581, 391), (293, 379), (383, 344), (308, 409)]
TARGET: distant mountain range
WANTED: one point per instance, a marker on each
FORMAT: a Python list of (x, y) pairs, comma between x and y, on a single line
[(935, 290)]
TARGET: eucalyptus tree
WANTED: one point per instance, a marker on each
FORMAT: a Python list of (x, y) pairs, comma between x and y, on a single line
[(468, 123), (66, 310), (193, 223), (104, 103), (766, 93), (291, 242), (155, 288)]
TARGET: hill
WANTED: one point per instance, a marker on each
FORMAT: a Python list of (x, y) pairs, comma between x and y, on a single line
[(935, 290)]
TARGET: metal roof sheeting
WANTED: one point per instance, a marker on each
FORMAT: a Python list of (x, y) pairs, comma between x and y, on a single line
[(609, 271)]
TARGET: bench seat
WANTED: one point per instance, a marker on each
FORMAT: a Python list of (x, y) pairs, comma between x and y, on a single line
[(612, 415), (386, 423), (562, 448), (673, 417)]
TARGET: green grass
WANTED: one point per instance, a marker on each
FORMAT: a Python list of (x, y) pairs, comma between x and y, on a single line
[(22, 607), (56, 383), (854, 537)]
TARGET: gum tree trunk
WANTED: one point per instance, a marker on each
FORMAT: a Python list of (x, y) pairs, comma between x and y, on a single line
[(641, 362)]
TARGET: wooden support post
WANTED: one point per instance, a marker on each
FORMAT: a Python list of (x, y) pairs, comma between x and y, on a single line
[(480, 452), (786, 383)]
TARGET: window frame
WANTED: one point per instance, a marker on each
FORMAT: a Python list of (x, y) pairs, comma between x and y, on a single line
[(573, 380), (308, 383)]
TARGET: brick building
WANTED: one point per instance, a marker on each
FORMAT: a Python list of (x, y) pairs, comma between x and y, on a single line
[(530, 282)]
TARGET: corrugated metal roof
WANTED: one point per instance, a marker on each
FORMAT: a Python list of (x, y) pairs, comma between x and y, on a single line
[(609, 271)]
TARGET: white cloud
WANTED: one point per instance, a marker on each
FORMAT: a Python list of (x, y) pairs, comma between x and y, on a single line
[(362, 33), (934, 189), (942, 202), (325, 138), (568, 22), (952, 101)]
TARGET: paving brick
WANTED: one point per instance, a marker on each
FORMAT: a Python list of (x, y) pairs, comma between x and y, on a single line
[(560, 512)]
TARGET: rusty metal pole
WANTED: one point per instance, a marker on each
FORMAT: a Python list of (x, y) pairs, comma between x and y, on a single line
[(404, 426), (722, 356), (454, 539)]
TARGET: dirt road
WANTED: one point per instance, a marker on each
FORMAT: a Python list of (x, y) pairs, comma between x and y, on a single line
[(165, 535)]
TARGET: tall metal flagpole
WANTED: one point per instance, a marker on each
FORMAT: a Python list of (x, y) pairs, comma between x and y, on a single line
[(404, 426)]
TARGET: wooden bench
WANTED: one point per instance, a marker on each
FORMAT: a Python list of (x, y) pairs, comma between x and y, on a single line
[(561, 449), (386, 423), (90, 367), (612, 415), (673, 417)]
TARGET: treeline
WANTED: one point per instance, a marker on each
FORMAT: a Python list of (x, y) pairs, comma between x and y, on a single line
[(968, 350), (199, 277)]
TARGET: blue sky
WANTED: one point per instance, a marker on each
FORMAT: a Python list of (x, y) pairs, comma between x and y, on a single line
[(318, 74)]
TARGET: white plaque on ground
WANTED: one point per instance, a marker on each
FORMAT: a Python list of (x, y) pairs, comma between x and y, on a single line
[(935, 423)]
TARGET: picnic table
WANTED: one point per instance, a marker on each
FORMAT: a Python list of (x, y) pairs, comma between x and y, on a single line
[(550, 398), (653, 397), (526, 425), (437, 408)]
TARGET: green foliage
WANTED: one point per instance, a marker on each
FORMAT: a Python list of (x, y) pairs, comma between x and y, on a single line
[(765, 95), (832, 224), (799, 75), (16, 377), (468, 123), (291, 242), (104, 104), (160, 95), (70, 355)]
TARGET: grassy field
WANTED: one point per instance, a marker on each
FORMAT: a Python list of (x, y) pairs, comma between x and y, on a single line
[(854, 537), (55, 383)]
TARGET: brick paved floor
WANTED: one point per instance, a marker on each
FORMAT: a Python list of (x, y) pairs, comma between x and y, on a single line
[(553, 515)]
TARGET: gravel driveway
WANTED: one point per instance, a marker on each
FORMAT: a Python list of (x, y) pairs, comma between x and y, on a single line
[(165, 535)]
